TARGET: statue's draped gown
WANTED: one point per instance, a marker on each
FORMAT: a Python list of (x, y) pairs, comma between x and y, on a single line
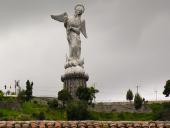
[(74, 37)]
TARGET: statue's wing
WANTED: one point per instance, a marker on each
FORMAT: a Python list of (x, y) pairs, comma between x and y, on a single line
[(83, 28), (61, 18)]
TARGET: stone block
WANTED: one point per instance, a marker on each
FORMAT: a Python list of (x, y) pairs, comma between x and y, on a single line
[(10, 124), (18, 125), (113, 125), (121, 125), (65, 125), (42, 124), (73, 124), (81, 125), (25, 125), (50, 124), (34, 124), (2, 124), (57, 124), (137, 125), (130, 125), (90, 125), (152, 125)]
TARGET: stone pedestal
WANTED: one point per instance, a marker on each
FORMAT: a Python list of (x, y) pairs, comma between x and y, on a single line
[(74, 76)]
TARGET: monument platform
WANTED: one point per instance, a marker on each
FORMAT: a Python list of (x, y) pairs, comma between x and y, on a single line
[(74, 76)]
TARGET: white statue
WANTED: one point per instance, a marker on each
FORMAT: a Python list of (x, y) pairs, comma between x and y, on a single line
[(74, 26)]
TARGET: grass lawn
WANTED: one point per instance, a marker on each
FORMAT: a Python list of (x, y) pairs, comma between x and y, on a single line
[(36, 111), (31, 111), (122, 116)]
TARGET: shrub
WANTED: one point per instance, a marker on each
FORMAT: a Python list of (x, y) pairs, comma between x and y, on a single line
[(77, 110), (163, 113), (38, 116), (24, 117), (21, 96), (64, 96), (129, 95), (1, 95), (138, 101), (1, 114), (86, 94), (34, 115), (35, 102), (41, 116), (53, 103)]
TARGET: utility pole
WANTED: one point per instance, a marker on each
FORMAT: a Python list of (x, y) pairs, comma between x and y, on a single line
[(5, 89), (94, 94), (16, 86), (137, 87), (156, 94)]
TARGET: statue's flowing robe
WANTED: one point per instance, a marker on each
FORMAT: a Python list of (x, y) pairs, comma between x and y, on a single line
[(73, 36)]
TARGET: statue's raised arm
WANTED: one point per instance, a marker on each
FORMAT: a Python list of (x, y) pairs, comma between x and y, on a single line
[(61, 18)]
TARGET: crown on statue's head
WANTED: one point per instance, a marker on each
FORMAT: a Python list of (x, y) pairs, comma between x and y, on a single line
[(80, 6)]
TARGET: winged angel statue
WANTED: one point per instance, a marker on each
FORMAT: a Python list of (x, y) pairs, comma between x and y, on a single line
[(74, 26)]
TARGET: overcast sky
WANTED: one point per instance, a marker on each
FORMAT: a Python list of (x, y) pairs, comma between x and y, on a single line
[(128, 45)]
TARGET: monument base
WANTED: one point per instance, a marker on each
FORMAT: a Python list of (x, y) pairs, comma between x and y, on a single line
[(74, 77)]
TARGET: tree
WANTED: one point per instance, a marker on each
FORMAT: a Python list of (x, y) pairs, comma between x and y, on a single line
[(64, 96), (93, 91), (77, 110), (21, 96), (86, 93), (28, 92), (166, 91), (129, 95), (138, 101), (83, 93), (1, 94)]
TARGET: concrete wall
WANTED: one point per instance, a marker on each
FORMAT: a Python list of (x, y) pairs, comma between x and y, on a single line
[(9, 105), (84, 124), (118, 107)]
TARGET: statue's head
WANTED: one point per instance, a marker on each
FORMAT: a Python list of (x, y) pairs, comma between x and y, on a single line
[(79, 9)]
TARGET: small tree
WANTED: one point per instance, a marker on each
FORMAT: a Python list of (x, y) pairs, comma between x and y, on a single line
[(21, 96), (77, 110), (93, 91), (28, 92), (64, 96), (166, 91), (129, 95), (86, 93), (83, 93), (138, 101), (1, 94)]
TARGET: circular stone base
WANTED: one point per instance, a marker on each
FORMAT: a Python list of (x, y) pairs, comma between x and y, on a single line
[(73, 80)]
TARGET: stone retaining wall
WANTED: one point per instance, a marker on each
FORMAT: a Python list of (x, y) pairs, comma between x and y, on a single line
[(84, 124), (9, 104), (119, 107)]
